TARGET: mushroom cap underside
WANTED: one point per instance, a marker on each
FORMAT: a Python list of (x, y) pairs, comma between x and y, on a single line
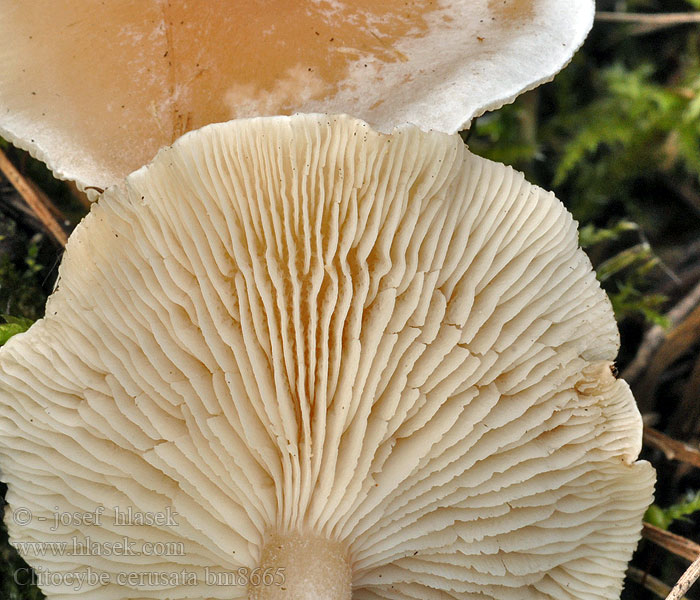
[(298, 324)]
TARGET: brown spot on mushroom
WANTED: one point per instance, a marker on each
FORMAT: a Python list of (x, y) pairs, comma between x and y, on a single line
[(512, 10), (270, 75)]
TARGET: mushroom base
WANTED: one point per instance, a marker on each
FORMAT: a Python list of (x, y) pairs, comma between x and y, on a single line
[(301, 567)]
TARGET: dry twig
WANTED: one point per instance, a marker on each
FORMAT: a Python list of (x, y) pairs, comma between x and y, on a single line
[(679, 546), (686, 581), (666, 19), (654, 585), (679, 340), (643, 23), (672, 449), (33, 200), (676, 544), (655, 336)]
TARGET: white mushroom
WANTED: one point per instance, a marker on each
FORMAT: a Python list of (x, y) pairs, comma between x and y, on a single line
[(95, 89), (376, 362)]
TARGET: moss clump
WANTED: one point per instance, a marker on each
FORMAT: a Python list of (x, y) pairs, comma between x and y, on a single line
[(22, 275)]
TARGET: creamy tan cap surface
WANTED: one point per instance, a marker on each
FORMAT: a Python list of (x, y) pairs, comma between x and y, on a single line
[(296, 328), (94, 89)]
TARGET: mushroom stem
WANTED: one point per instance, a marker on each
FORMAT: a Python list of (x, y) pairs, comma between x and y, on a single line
[(301, 567)]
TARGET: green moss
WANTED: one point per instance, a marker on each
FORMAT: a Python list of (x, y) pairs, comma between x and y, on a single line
[(21, 273)]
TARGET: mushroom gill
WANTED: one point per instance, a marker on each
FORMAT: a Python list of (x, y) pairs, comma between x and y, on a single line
[(376, 362)]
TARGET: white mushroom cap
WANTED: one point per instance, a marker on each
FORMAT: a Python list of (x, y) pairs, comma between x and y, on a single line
[(95, 89), (321, 345)]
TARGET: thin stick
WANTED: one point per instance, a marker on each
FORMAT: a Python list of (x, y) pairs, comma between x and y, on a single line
[(686, 581), (672, 542), (672, 449), (44, 199), (648, 18), (30, 197), (654, 585), (655, 336)]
